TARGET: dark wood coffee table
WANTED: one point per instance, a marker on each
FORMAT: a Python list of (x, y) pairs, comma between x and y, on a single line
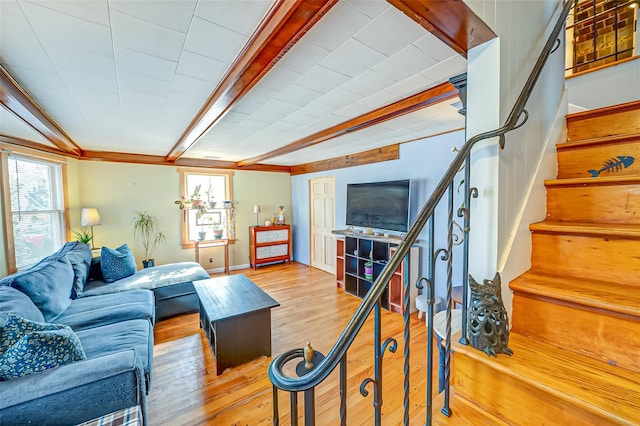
[(235, 315)]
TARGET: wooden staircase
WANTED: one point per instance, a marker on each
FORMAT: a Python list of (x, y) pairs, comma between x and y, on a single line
[(576, 313)]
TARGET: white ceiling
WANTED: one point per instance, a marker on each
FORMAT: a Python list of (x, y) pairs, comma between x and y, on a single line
[(129, 76)]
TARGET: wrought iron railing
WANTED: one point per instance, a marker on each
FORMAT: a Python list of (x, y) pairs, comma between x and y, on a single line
[(322, 366)]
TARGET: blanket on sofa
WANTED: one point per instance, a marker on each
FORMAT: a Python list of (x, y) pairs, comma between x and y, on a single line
[(149, 278)]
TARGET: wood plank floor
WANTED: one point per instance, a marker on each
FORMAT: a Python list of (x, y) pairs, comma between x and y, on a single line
[(187, 391)]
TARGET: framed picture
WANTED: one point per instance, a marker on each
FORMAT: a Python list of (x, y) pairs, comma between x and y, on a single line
[(208, 218)]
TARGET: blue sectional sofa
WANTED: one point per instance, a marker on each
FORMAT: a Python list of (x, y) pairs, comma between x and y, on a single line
[(113, 323)]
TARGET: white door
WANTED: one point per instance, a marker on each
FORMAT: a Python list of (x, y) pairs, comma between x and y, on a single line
[(322, 222)]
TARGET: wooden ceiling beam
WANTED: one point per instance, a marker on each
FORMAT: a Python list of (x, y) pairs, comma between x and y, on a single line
[(432, 96), (16, 100), (34, 145), (286, 22), (452, 21), (376, 155)]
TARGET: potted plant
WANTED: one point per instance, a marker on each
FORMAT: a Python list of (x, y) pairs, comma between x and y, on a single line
[(196, 197), (217, 230), (144, 227), (83, 235)]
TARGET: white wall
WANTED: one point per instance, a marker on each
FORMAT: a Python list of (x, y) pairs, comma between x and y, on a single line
[(523, 27), (609, 86), (424, 162)]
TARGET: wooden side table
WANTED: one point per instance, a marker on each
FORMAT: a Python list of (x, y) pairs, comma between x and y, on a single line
[(220, 243)]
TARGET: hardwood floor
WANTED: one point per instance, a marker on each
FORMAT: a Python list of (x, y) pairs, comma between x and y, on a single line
[(187, 391)]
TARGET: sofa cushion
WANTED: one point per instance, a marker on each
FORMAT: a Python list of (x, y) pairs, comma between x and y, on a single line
[(117, 263), (48, 284), (28, 347), (79, 255), (132, 334), (94, 311), (13, 301)]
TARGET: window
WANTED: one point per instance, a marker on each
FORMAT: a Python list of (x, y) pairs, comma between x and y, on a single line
[(35, 222), (602, 32), (212, 210)]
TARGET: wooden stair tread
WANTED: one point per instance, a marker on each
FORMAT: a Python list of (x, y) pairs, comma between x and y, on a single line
[(594, 385), (463, 412), (604, 140), (607, 110), (602, 180), (580, 228), (604, 295)]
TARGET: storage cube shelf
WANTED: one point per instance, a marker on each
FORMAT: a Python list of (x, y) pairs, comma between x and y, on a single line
[(352, 254)]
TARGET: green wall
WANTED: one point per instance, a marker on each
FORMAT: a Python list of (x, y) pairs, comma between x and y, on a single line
[(119, 189)]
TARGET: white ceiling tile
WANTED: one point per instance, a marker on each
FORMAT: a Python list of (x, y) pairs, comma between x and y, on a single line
[(82, 60), (93, 96), (339, 97), (192, 86), (278, 78), (321, 79), (378, 36), (175, 15), (240, 16), (202, 67), (280, 107), (37, 82), (410, 86), (142, 36), (11, 125), (16, 33), (235, 117), (353, 110), (371, 8), (378, 99), (73, 77), (266, 117), (95, 11), (367, 83), (297, 95), (336, 27), (406, 62), (214, 41), (433, 47), (316, 109), (142, 84), (353, 58), (55, 27), (184, 101), (10, 8), (130, 61), (302, 57), (298, 118), (444, 70)]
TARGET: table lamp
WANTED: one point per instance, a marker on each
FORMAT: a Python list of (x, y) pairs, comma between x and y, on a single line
[(91, 218), (256, 210)]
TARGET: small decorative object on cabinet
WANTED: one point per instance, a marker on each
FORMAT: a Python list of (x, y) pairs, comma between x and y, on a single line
[(268, 244), (359, 261)]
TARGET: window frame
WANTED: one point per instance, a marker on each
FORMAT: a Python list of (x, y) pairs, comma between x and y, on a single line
[(228, 175), (7, 213)]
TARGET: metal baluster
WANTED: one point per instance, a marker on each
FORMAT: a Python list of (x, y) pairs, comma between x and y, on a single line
[(309, 407), (377, 366), (276, 416), (430, 294), (343, 390), (294, 408), (407, 311), (446, 410)]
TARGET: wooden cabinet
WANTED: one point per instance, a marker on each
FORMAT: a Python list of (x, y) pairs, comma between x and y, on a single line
[(268, 244), (359, 262)]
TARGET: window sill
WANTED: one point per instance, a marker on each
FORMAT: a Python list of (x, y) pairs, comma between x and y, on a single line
[(191, 244), (613, 64)]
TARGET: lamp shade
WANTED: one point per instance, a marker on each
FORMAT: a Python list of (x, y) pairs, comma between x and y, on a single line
[(256, 208), (90, 217)]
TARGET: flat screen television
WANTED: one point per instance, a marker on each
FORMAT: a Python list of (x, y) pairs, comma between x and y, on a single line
[(379, 205)]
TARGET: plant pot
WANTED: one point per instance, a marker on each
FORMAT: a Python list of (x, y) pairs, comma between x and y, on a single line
[(196, 203), (217, 233), (368, 271), (148, 263), (202, 235)]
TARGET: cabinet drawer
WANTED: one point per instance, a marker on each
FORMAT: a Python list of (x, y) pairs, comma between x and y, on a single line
[(272, 251), (272, 236)]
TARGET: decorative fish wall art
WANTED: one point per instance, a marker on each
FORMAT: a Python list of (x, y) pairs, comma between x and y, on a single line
[(613, 165)]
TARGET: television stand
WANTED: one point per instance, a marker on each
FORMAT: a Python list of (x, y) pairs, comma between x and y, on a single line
[(354, 250)]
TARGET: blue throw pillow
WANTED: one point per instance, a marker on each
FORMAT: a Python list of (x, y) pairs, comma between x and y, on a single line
[(79, 255), (17, 327), (48, 284), (40, 349), (117, 264)]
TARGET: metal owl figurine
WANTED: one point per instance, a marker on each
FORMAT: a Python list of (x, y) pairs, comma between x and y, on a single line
[(488, 324)]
